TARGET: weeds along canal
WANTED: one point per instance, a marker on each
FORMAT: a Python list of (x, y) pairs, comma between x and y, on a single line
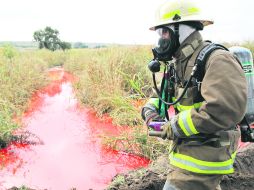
[(63, 148)]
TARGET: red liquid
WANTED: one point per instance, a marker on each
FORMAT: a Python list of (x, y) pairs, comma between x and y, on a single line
[(68, 152)]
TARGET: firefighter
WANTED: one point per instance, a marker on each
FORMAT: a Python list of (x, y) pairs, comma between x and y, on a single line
[(203, 129)]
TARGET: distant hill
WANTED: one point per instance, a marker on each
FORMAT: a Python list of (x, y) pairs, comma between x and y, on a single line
[(21, 44), (34, 45)]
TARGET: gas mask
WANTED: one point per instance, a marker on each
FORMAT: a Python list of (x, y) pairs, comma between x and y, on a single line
[(167, 45)]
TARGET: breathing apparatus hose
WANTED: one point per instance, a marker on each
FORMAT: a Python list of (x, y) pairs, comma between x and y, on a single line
[(159, 133), (183, 93), (193, 73)]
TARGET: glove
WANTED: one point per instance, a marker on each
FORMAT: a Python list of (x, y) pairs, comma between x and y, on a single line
[(153, 117), (150, 115), (167, 132)]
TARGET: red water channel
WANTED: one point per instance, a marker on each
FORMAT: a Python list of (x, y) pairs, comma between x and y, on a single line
[(67, 152)]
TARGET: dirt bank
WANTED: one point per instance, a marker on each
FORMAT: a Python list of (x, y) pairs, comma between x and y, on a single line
[(153, 178)]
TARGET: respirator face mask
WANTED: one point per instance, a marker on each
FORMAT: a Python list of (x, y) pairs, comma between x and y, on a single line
[(167, 44)]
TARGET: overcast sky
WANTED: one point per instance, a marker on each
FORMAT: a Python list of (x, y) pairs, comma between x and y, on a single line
[(116, 21)]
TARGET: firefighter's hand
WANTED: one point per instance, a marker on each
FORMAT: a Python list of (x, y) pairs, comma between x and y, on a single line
[(167, 131), (153, 117), (150, 115)]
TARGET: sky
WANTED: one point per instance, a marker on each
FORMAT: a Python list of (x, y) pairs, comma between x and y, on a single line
[(117, 21)]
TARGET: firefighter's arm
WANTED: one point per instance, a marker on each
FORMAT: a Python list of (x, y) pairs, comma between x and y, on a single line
[(224, 90)]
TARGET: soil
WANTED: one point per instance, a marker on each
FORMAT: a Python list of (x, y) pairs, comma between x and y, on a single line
[(154, 177)]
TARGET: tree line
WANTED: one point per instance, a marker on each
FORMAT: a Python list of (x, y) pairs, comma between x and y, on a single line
[(48, 38)]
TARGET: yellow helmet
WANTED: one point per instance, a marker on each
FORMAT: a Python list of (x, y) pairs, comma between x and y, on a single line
[(178, 11)]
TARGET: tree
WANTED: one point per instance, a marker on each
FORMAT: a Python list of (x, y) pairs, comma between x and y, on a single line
[(65, 45), (48, 38)]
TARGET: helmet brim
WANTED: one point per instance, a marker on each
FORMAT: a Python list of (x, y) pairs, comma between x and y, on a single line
[(205, 22)]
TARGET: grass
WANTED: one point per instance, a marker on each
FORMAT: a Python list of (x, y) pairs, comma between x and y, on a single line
[(113, 81), (117, 82), (247, 44), (23, 188), (21, 74), (118, 180), (136, 141)]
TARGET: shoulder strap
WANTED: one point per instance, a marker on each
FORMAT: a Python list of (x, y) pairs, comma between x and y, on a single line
[(203, 57)]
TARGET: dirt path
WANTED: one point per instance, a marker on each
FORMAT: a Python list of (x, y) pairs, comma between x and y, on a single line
[(62, 149)]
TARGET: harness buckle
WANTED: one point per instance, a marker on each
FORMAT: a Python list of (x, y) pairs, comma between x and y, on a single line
[(199, 83)]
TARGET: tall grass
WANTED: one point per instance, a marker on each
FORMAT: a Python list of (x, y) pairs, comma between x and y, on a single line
[(52, 59), (21, 74), (246, 44), (116, 81), (249, 45), (111, 80)]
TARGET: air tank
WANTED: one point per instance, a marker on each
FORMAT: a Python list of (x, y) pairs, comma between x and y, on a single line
[(244, 55)]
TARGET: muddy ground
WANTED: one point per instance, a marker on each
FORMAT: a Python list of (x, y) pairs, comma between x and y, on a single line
[(154, 177)]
